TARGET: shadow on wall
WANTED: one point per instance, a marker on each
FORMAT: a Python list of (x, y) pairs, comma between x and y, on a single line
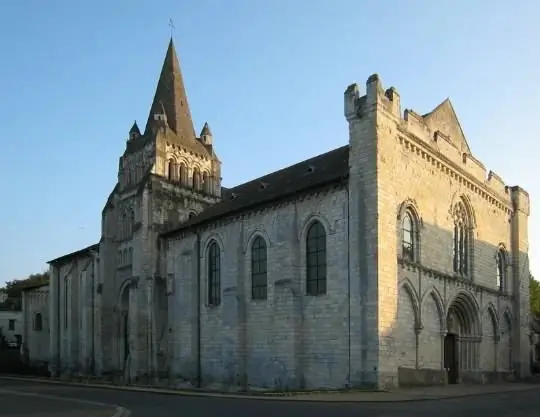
[(11, 363), (457, 319)]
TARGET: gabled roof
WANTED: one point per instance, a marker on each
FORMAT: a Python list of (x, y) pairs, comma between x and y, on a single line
[(94, 247), (444, 119), (325, 169)]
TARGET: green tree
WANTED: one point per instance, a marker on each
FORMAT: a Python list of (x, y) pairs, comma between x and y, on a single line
[(535, 296), (15, 288)]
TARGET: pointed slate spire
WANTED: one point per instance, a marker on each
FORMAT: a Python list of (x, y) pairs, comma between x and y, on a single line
[(134, 129), (206, 130), (171, 97)]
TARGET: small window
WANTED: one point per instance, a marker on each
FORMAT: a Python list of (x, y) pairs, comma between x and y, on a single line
[(11, 325), (316, 260), (38, 322), (214, 274), (259, 283)]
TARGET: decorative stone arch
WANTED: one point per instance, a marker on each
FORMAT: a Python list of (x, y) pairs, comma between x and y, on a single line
[(213, 295), (463, 236), (171, 167), (308, 222), (466, 310), (183, 172), (407, 285), (409, 208), (492, 311), (256, 233), (503, 272), (439, 303), (410, 205), (460, 198), (206, 181), (196, 178), (214, 236)]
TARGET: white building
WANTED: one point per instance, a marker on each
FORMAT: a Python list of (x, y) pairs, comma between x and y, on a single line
[(11, 325)]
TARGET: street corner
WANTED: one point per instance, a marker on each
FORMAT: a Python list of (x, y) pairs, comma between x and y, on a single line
[(14, 403)]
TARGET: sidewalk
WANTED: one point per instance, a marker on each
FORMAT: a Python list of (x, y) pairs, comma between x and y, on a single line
[(398, 395)]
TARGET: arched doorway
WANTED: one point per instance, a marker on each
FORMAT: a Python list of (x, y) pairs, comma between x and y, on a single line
[(462, 340)]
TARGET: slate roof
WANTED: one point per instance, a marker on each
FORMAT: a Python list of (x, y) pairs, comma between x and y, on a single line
[(325, 169), (94, 247)]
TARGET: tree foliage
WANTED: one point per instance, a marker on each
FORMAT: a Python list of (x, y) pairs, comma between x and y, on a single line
[(535, 296), (15, 288)]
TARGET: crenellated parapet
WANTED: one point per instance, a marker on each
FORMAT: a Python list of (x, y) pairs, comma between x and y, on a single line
[(436, 135)]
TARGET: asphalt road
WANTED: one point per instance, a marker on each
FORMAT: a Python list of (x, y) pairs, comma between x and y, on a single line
[(522, 404)]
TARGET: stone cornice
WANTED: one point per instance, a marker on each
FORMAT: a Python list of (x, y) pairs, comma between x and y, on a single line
[(411, 141)]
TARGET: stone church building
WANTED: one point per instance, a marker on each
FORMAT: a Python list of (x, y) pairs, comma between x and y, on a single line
[(397, 258)]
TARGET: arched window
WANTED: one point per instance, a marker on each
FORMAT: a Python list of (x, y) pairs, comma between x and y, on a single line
[(462, 240), (38, 322), (183, 174), (214, 274), (206, 182), (259, 283), (501, 270), (408, 242), (196, 179), (316, 259), (172, 166)]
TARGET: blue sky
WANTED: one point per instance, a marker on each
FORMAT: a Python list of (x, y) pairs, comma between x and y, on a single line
[(267, 75)]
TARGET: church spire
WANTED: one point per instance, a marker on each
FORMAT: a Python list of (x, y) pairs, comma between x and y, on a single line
[(171, 98)]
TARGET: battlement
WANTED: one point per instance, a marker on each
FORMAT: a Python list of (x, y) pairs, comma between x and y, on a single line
[(439, 131)]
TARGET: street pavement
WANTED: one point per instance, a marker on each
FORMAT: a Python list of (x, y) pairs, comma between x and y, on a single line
[(17, 404), (524, 403)]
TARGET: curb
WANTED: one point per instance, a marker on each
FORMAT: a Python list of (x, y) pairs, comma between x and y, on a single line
[(254, 397), (119, 411)]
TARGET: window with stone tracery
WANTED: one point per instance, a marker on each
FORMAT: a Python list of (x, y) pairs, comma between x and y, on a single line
[(501, 270), (462, 241)]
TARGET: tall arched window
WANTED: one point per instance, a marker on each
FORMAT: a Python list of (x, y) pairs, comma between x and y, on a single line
[(462, 240), (206, 182), (316, 259), (214, 274), (171, 169), (196, 179), (183, 174), (259, 279), (501, 270), (408, 243)]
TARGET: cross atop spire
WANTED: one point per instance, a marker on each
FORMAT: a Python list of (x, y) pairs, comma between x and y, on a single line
[(171, 98)]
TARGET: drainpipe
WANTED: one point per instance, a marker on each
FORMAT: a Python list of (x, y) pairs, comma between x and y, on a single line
[(199, 367)]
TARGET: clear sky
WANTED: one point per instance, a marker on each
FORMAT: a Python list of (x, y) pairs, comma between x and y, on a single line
[(269, 77)]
